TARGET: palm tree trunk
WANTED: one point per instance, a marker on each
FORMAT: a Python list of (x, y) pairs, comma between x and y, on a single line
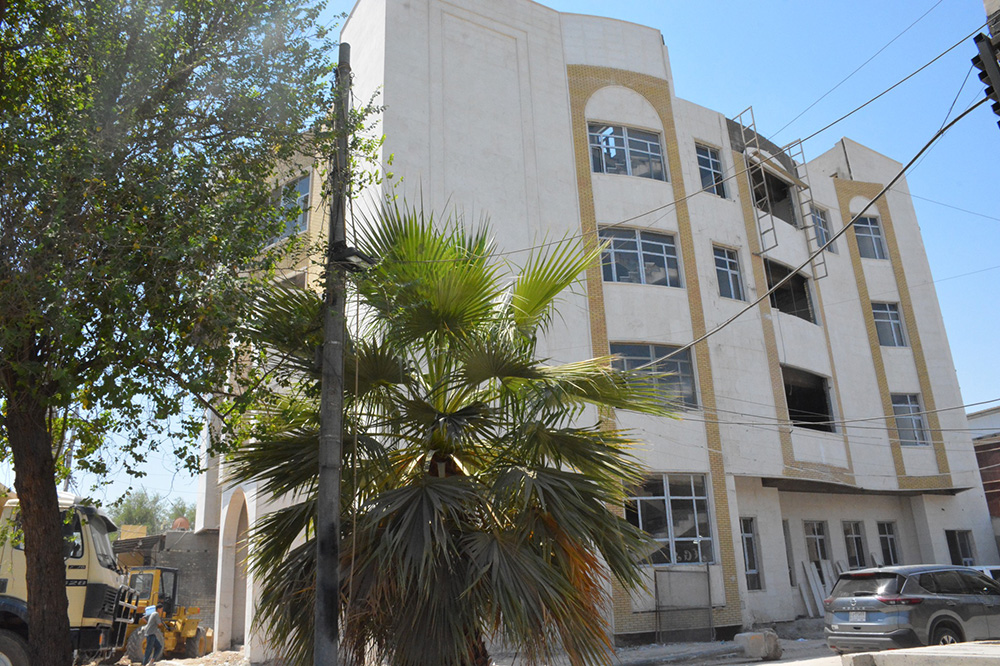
[(478, 654)]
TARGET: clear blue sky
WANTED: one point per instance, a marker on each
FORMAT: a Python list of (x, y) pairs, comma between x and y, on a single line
[(780, 57)]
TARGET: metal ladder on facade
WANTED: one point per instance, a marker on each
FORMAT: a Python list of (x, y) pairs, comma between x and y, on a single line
[(755, 174), (818, 262), (755, 159)]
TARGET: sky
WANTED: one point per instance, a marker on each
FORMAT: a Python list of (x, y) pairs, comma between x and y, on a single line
[(784, 59)]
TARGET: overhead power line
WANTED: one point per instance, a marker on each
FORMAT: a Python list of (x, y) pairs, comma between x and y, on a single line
[(897, 83), (793, 272), (858, 69)]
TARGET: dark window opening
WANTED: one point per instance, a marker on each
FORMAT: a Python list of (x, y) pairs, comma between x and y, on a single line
[(807, 398), (793, 296), (773, 195), (960, 547)]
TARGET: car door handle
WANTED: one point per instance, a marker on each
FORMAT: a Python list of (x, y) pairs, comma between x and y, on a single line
[(951, 603)]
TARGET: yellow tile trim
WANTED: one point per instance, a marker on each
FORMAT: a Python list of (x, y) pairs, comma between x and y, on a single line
[(847, 190), (584, 81), (793, 468)]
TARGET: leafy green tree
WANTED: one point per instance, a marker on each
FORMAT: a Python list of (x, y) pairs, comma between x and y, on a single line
[(140, 507), (479, 479), (141, 141)]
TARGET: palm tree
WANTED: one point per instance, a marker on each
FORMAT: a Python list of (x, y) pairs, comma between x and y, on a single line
[(479, 480)]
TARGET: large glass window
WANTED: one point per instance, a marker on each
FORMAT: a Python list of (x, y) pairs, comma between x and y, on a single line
[(871, 245), (626, 150), (751, 557), (888, 324), (673, 509), (887, 541), (678, 379), (821, 224), (854, 538), (710, 167), (644, 257), (727, 269), (910, 422)]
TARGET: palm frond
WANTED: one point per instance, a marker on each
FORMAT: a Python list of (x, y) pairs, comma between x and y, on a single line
[(544, 278), (477, 501)]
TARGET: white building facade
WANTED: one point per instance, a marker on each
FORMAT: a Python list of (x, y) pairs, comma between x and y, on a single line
[(818, 429)]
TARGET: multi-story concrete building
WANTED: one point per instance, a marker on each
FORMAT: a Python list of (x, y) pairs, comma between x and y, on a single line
[(817, 429), (985, 430)]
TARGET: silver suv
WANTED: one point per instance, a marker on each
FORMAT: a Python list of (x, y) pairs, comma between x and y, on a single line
[(908, 606)]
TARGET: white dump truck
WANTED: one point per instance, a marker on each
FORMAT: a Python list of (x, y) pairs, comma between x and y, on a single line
[(101, 605)]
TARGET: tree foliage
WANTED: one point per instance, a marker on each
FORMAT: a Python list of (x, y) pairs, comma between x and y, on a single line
[(155, 511), (141, 141), (478, 478)]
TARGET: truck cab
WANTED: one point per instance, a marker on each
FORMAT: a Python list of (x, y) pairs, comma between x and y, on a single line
[(101, 605)]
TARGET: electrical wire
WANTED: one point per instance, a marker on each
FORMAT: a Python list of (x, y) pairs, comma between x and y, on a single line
[(829, 241), (735, 174), (897, 84), (858, 69)]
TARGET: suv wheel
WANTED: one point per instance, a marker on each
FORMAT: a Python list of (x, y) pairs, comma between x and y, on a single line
[(945, 635)]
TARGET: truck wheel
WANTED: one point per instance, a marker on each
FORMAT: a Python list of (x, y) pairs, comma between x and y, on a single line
[(194, 647), (135, 645), (13, 649)]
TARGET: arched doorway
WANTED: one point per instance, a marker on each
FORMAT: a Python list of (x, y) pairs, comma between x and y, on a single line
[(231, 589)]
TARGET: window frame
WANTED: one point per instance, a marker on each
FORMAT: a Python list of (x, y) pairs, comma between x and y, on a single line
[(821, 223), (964, 546), (670, 541), (675, 365), (907, 407), (751, 554), (888, 542), (710, 165), (629, 141), (640, 238), (854, 540), (729, 274), (889, 324), (300, 224), (869, 228), (819, 541)]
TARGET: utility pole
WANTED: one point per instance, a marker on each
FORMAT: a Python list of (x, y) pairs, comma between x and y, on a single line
[(327, 639)]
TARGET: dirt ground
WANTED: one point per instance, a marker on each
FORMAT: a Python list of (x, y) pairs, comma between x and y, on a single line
[(225, 658), (801, 642)]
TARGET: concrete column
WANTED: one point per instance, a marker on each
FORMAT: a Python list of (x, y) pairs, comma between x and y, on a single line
[(209, 497)]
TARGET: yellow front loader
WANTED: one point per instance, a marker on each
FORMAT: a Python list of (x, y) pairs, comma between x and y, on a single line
[(183, 638)]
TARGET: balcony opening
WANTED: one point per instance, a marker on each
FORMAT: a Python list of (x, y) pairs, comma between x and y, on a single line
[(793, 296), (808, 399), (773, 195)]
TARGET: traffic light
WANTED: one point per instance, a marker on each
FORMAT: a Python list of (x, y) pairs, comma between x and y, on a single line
[(989, 69)]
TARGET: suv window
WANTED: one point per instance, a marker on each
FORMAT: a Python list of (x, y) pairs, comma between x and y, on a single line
[(866, 585), (943, 582), (980, 584)]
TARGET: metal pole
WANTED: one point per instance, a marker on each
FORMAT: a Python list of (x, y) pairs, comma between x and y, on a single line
[(327, 633)]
